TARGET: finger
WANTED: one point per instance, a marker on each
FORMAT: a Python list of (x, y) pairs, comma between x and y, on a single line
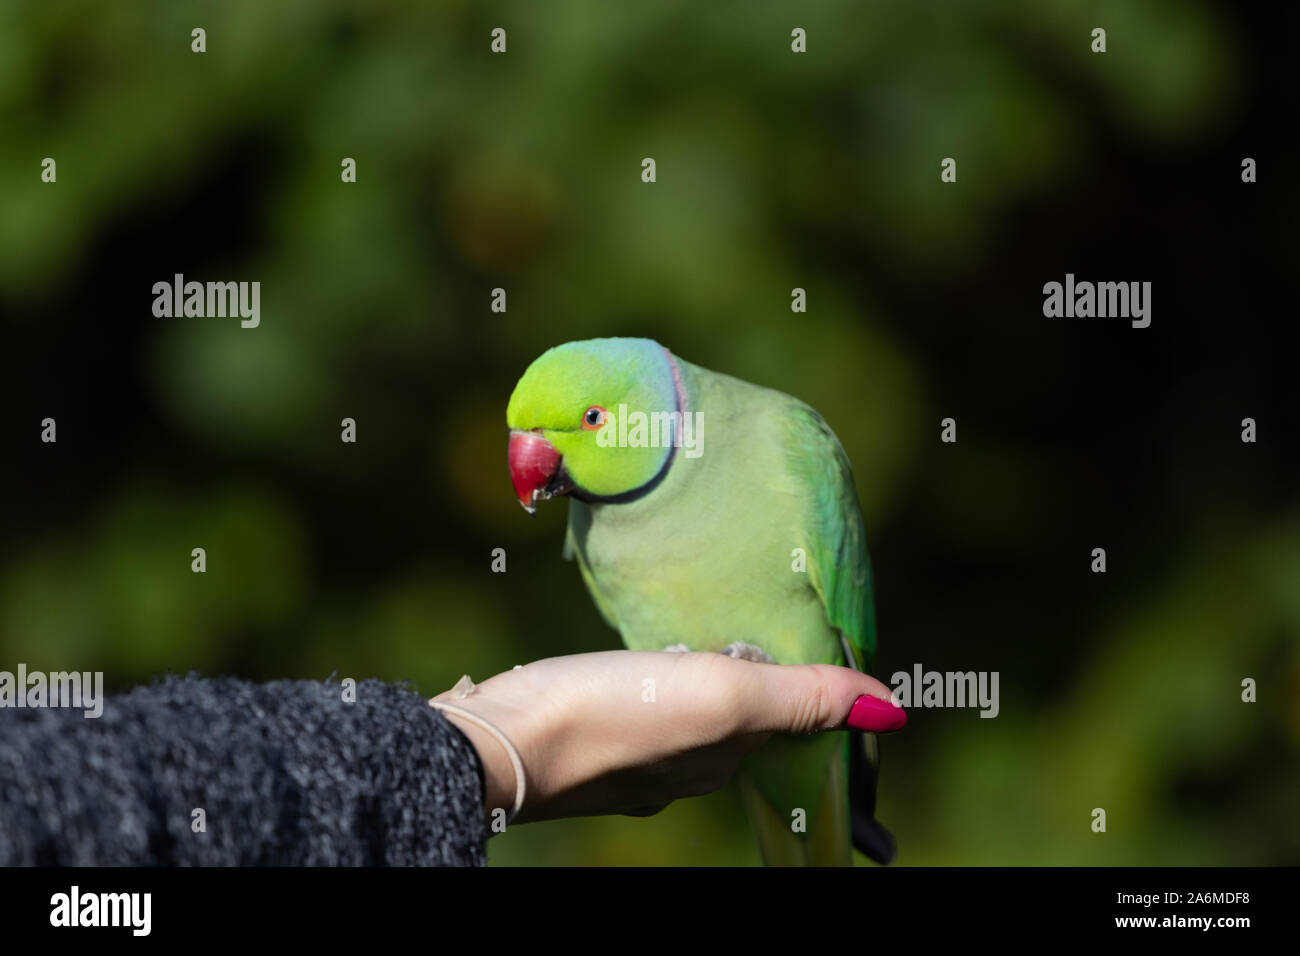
[(810, 698)]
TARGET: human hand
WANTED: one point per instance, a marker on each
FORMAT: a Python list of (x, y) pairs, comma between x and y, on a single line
[(631, 731)]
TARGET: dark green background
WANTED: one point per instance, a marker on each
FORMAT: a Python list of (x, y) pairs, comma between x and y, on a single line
[(775, 170)]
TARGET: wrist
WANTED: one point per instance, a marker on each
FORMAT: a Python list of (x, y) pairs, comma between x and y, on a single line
[(499, 782)]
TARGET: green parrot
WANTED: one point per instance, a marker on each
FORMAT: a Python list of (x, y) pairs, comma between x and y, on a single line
[(705, 509)]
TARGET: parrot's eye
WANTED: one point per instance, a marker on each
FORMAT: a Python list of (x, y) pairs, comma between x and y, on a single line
[(593, 418)]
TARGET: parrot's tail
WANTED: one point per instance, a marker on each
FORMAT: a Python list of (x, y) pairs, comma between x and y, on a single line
[(869, 836)]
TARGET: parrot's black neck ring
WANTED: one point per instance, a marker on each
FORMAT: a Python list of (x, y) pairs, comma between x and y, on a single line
[(562, 478)]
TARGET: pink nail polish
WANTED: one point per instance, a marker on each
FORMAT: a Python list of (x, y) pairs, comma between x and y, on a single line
[(876, 716)]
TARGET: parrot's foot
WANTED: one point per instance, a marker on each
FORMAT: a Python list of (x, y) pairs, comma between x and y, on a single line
[(677, 649), (747, 652)]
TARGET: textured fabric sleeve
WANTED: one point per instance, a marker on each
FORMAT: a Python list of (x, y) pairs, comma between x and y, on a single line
[(286, 773)]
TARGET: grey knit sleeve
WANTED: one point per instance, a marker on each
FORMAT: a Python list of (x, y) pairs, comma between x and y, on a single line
[(194, 771)]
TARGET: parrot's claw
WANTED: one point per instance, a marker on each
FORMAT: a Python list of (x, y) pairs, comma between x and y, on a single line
[(747, 652), (677, 649)]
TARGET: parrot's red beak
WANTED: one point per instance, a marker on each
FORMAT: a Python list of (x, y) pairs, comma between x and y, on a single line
[(534, 463)]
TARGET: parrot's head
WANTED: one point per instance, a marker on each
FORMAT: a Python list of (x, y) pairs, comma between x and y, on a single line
[(561, 409)]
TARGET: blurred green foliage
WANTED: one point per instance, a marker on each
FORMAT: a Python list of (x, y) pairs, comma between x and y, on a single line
[(775, 170)]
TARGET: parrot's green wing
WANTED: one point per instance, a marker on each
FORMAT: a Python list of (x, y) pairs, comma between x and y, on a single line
[(840, 571), (838, 565)]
